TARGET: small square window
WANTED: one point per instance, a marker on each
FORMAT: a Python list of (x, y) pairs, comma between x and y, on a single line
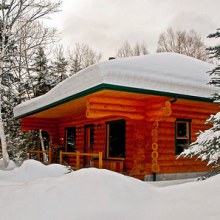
[(182, 135)]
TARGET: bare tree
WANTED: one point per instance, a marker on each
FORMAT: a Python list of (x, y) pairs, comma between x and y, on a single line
[(188, 43), (15, 13), (31, 37), (82, 56), (126, 50)]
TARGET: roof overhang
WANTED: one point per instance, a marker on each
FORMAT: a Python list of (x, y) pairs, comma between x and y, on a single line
[(66, 105)]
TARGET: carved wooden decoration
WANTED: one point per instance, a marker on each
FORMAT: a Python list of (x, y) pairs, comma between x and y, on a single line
[(157, 114)]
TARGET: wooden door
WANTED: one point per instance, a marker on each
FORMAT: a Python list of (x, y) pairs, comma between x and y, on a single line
[(116, 139), (89, 142)]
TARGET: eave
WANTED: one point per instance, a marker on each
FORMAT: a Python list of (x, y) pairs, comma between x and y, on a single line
[(104, 86)]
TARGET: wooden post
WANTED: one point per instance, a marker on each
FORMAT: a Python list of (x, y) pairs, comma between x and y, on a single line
[(77, 160), (100, 160), (50, 156), (61, 157), (38, 156)]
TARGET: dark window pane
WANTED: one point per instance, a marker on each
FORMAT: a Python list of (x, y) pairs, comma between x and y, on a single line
[(71, 139), (181, 129), (181, 144), (182, 135)]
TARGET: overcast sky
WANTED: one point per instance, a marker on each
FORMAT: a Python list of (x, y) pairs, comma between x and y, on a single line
[(106, 24)]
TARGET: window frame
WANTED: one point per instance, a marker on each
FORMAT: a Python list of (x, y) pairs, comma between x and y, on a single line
[(66, 138), (188, 133)]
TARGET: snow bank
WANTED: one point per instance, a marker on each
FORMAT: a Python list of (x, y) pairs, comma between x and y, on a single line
[(31, 170), (10, 166), (162, 72), (100, 194)]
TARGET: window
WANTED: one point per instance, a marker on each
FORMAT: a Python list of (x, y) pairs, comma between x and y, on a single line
[(183, 128), (116, 139), (70, 143)]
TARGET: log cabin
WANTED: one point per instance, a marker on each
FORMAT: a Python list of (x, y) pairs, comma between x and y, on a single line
[(136, 114)]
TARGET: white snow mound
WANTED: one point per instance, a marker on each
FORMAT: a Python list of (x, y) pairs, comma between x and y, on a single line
[(32, 170), (10, 166), (100, 194)]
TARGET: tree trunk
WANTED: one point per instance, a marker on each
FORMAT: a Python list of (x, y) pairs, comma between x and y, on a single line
[(2, 132), (42, 146)]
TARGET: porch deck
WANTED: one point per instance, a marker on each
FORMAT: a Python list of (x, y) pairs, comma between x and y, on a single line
[(77, 160)]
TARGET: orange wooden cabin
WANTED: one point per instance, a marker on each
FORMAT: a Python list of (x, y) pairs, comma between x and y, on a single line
[(139, 112)]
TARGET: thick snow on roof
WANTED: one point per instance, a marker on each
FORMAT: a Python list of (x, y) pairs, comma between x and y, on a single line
[(162, 72), (31, 192)]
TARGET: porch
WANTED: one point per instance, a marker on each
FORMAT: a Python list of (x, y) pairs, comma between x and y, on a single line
[(77, 160)]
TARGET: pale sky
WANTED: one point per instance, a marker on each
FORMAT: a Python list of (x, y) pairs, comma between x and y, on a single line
[(106, 24)]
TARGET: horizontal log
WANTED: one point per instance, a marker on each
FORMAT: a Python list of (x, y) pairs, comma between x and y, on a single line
[(201, 109), (198, 121), (185, 162), (35, 124), (160, 112), (100, 114), (169, 131), (39, 120), (166, 156), (114, 107), (190, 115), (156, 105), (116, 100), (168, 151), (167, 119), (187, 103), (165, 138)]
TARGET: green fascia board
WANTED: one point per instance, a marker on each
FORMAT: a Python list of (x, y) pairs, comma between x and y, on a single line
[(114, 88)]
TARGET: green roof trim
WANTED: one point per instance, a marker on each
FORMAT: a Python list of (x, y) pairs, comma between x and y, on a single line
[(114, 88)]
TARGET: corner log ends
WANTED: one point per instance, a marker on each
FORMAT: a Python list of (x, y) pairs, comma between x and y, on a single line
[(155, 115)]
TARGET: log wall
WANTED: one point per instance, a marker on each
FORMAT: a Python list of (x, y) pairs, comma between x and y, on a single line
[(197, 113), (49, 125), (142, 134)]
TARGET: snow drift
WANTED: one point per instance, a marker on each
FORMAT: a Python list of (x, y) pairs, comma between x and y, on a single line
[(100, 194)]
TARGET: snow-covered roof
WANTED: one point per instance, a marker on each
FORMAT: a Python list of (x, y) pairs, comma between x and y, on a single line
[(161, 72)]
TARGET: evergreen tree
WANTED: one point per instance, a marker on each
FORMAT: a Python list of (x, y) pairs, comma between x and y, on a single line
[(42, 80), (207, 145), (59, 66)]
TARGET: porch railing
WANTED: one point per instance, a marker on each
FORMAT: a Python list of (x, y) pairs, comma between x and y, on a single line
[(40, 155), (77, 155)]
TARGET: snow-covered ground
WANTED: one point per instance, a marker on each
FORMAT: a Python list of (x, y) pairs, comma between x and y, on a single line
[(34, 191)]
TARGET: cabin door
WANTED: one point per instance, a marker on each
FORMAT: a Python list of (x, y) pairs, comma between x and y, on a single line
[(88, 143)]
